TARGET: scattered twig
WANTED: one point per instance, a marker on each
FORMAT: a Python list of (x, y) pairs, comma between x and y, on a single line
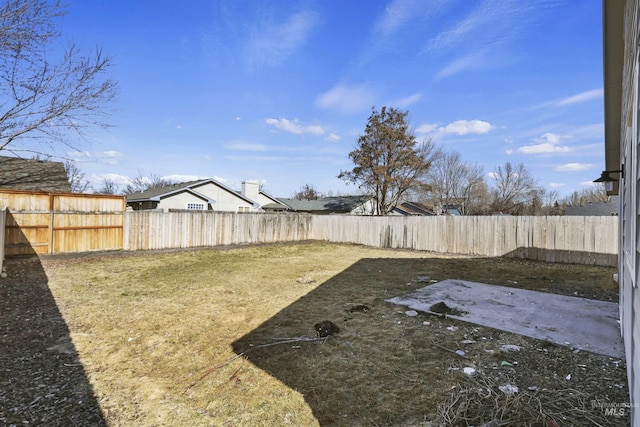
[(278, 341), (447, 349)]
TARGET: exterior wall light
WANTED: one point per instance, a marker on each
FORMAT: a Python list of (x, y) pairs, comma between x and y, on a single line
[(609, 180)]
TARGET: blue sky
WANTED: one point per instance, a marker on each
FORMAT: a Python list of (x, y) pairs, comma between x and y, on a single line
[(278, 91)]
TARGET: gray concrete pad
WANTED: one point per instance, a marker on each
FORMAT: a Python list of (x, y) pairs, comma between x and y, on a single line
[(581, 323)]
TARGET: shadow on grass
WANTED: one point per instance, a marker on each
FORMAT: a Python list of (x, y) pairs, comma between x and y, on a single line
[(42, 381), (385, 368), (376, 371)]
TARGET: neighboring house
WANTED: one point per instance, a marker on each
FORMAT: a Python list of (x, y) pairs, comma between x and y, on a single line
[(412, 209), (621, 28), (33, 175), (267, 203), (206, 194), (595, 209), (351, 205)]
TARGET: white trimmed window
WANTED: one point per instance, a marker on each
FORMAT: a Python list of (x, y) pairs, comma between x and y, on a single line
[(196, 206), (244, 209)]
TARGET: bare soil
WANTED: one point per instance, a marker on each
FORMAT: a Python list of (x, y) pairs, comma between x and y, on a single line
[(229, 337)]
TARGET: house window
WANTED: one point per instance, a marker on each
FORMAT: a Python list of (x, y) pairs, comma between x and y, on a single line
[(196, 206), (244, 209)]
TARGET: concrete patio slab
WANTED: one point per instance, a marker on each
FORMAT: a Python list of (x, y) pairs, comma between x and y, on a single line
[(581, 323)]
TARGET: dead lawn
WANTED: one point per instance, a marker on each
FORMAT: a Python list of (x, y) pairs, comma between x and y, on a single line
[(191, 339)]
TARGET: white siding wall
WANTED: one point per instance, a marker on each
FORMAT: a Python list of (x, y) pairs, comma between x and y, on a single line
[(225, 201), (629, 247), (179, 201)]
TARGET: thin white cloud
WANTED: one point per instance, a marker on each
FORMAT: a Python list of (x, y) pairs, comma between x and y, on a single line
[(427, 128), (557, 184), (398, 14), (574, 167), (407, 101), (509, 151), (245, 146), (113, 177), (465, 127), (333, 137), (109, 157), (294, 126), (472, 61), (347, 99), (581, 97), (489, 22), (272, 43), (547, 143)]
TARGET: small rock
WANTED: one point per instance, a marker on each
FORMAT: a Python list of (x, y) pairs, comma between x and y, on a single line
[(505, 363), (469, 371), (425, 323), (411, 313), (452, 328), (568, 377), (510, 348), (508, 389), (460, 353), (468, 341)]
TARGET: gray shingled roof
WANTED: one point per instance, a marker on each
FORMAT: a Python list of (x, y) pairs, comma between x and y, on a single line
[(595, 209), (33, 175), (340, 204), (156, 193)]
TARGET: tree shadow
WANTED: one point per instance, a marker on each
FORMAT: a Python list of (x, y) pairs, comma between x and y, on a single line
[(384, 367), (42, 381), (349, 378)]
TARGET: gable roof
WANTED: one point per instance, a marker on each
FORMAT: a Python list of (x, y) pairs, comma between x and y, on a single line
[(340, 204), (155, 194), (33, 175)]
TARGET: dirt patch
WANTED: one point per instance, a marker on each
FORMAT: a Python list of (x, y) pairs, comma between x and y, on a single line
[(228, 338)]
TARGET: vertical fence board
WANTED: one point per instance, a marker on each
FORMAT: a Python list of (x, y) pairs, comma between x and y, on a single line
[(3, 220)]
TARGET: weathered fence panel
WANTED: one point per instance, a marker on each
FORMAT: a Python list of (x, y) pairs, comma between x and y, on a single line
[(163, 230), (568, 239), (583, 240), (3, 216), (49, 223)]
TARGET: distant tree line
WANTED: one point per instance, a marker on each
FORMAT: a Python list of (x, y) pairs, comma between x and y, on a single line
[(392, 166)]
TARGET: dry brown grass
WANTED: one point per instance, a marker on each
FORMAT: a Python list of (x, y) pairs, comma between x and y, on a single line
[(179, 338)]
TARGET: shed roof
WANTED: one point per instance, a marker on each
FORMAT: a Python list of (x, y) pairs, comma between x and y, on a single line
[(33, 175)]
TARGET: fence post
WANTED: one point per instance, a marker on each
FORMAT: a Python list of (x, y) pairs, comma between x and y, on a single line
[(3, 221)]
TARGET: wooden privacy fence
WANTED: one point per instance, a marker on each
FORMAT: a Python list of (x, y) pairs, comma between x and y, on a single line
[(163, 230), (564, 239), (50, 223), (583, 240)]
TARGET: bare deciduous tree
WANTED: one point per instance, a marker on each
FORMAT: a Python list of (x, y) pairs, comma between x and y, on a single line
[(77, 178), (307, 192), (41, 96), (143, 183), (108, 187), (388, 160), (454, 182), (513, 187), (593, 194)]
